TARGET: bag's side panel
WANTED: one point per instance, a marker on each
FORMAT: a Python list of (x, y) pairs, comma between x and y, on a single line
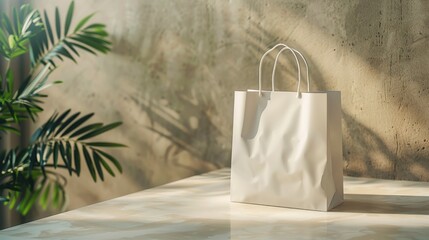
[(335, 146)]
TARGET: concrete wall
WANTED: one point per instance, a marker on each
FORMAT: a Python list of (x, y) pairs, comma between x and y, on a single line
[(175, 65)]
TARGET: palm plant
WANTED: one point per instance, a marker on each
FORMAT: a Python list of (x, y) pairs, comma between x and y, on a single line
[(29, 174)]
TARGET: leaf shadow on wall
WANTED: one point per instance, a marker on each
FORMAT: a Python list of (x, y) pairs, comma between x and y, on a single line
[(188, 129), (391, 38), (180, 116)]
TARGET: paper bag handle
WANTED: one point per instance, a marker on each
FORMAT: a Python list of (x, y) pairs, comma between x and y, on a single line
[(294, 51), (298, 68)]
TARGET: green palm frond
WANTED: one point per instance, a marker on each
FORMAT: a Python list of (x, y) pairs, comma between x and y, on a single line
[(62, 142), (15, 34), (65, 139), (15, 111), (58, 42), (22, 187), (29, 32), (24, 103)]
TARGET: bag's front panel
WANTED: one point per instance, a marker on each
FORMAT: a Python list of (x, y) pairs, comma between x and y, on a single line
[(280, 149)]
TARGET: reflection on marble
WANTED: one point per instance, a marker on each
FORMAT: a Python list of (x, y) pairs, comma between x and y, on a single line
[(199, 208)]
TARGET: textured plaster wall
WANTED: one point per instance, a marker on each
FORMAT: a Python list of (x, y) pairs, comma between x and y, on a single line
[(175, 64)]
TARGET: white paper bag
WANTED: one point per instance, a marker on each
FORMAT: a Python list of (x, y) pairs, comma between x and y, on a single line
[(287, 146)]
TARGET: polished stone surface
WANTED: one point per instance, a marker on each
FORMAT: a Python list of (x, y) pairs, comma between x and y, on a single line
[(199, 208)]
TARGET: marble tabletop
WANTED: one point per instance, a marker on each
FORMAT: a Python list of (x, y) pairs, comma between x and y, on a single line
[(199, 208)]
